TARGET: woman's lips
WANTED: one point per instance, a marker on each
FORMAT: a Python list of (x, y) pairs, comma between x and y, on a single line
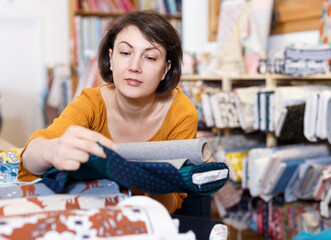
[(133, 82)]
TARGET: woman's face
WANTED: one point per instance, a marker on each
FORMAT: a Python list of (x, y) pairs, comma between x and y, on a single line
[(138, 65)]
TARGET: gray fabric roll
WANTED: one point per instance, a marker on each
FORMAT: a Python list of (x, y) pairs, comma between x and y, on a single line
[(197, 151), (177, 163)]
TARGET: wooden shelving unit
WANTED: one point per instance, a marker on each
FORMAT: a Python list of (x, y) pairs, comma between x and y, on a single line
[(269, 80)]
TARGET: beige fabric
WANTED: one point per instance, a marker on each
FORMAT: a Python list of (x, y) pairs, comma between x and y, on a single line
[(4, 144)]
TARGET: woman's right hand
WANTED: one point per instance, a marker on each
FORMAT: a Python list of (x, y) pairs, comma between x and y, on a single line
[(67, 152), (74, 146)]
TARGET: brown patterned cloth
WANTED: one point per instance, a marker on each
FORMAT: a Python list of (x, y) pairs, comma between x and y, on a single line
[(229, 195)]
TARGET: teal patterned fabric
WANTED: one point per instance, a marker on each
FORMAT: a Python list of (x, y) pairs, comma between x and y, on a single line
[(150, 177)]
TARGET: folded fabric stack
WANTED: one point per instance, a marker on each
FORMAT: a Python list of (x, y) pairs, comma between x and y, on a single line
[(153, 167), (305, 67), (309, 175), (233, 150), (215, 107), (273, 110), (291, 124), (305, 178), (304, 118), (307, 51), (299, 60), (274, 170), (301, 172), (264, 111), (323, 184), (299, 112), (270, 170), (199, 94), (224, 110), (244, 99), (317, 116), (256, 162), (292, 112)]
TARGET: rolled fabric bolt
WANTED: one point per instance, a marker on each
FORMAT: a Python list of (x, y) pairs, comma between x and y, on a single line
[(197, 151)]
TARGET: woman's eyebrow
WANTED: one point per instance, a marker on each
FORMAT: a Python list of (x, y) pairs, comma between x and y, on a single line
[(147, 49), (125, 42), (152, 48)]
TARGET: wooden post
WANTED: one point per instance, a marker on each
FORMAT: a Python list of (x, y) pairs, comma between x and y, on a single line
[(226, 87), (271, 140)]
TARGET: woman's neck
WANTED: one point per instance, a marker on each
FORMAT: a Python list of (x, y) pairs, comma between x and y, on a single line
[(134, 109)]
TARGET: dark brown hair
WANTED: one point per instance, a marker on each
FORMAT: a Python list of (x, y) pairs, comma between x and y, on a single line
[(156, 29)]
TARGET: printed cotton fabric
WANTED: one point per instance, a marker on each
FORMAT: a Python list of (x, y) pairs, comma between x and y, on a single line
[(325, 23), (9, 161), (70, 217), (18, 190)]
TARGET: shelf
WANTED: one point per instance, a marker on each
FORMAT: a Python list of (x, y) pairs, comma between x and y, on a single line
[(246, 77), (85, 13), (199, 77), (222, 77), (98, 14), (310, 77)]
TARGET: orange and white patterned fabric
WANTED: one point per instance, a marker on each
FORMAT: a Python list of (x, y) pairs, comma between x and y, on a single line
[(87, 217), (325, 24)]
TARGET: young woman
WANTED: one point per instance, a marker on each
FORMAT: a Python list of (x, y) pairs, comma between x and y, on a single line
[(140, 59)]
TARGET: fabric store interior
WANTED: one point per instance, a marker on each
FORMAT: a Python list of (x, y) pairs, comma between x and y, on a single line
[(259, 166)]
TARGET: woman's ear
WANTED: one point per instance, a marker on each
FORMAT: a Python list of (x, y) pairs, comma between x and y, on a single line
[(167, 67), (110, 51)]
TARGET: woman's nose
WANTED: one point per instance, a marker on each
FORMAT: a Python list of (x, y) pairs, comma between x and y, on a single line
[(135, 65)]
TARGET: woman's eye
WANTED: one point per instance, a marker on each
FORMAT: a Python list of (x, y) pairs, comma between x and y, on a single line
[(151, 58), (125, 53)]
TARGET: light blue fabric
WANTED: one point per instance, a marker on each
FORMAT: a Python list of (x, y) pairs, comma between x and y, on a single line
[(8, 172), (324, 235), (37, 189), (285, 178)]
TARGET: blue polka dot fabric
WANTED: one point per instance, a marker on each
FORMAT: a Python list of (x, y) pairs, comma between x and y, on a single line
[(150, 177)]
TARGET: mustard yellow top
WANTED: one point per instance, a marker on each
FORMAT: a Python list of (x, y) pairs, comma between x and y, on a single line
[(89, 110)]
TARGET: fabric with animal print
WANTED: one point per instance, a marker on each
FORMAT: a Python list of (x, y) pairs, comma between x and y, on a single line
[(87, 217), (38, 189), (58, 202)]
